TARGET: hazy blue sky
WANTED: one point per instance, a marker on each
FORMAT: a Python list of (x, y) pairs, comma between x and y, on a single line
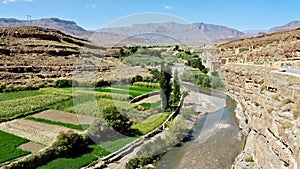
[(93, 14)]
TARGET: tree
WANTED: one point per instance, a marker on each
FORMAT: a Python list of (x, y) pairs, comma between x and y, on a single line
[(100, 130), (69, 144), (122, 52), (165, 85), (176, 89), (116, 120), (216, 82)]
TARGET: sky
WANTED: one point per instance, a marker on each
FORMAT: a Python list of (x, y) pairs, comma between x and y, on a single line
[(95, 14)]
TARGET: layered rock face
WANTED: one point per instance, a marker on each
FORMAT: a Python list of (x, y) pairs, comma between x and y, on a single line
[(269, 98), (270, 102)]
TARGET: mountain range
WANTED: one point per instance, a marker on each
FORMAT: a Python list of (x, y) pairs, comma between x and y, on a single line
[(158, 33)]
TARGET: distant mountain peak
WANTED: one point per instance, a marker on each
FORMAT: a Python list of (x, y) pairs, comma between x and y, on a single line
[(289, 26), (69, 27)]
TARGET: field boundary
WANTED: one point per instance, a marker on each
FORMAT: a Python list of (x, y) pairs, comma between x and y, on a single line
[(131, 146)]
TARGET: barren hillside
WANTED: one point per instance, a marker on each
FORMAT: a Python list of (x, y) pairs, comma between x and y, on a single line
[(36, 56), (274, 48)]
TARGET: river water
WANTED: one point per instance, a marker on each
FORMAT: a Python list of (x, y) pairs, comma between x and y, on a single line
[(217, 152)]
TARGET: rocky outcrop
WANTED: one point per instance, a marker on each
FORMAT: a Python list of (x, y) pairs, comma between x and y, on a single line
[(270, 102), (277, 50)]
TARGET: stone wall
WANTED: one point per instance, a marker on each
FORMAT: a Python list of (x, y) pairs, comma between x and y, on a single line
[(270, 102)]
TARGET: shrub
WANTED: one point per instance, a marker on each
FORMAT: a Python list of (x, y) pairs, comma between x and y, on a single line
[(61, 83), (287, 125), (275, 96), (262, 87), (68, 144), (116, 120), (296, 110), (101, 131), (249, 159), (102, 82)]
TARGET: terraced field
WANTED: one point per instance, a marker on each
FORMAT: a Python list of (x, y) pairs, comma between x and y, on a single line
[(42, 114), (35, 131)]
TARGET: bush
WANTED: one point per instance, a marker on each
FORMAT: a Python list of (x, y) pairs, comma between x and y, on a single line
[(296, 110), (147, 85), (101, 131), (249, 159), (137, 78), (68, 144), (116, 120), (61, 83), (102, 83)]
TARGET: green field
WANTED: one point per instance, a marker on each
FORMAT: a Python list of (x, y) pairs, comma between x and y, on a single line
[(8, 147), (151, 122), (77, 162), (22, 106), (17, 95), (133, 91), (116, 91), (135, 88), (151, 105), (88, 102)]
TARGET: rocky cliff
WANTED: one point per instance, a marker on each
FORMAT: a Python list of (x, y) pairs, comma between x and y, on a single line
[(270, 102), (269, 98)]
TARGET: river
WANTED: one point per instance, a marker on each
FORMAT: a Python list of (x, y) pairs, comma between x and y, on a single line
[(217, 152)]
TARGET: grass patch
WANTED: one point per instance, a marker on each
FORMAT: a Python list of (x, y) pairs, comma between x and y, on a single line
[(135, 88), (151, 105), (296, 110), (8, 146), (244, 141), (151, 123), (112, 146), (71, 126), (78, 162), (249, 159), (17, 95)]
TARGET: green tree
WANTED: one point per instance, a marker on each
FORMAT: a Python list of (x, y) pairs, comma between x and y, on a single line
[(176, 89), (100, 130), (68, 144), (116, 120), (216, 82), (165, 85), (122, 52)]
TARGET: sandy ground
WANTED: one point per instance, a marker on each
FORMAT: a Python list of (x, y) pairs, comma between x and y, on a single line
[(34, 131), (64, 117), (151, 99), (31, 146)]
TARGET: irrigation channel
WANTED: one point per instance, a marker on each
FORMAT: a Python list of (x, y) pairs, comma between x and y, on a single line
[(213, 142)]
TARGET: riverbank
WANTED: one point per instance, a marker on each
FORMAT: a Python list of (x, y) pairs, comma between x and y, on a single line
[(245, 158), (213, 141)]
